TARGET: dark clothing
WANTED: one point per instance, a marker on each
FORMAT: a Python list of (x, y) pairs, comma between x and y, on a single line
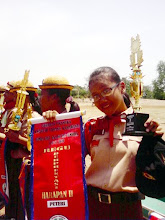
[(14, 208), (2, 200), (119, 211)]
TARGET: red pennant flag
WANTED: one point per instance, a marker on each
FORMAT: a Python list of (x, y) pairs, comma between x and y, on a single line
[(58, 187)]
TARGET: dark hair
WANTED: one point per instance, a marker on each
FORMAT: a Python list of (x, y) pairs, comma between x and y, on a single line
[(74, 106), (113, 75), (34, 101), (63, 94)]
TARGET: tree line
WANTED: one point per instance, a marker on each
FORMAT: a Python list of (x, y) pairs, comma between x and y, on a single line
[(154, 91)]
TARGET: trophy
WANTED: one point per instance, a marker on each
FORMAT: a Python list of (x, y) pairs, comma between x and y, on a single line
[(29, 116), (20, 101), (1, 104), (135, 121)]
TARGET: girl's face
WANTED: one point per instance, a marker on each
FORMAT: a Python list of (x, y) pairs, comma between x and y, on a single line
[(49, 102), (46, 101), (10, 96), (108, 95)]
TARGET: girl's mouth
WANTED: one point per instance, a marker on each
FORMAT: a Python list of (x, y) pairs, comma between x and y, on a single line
[(105, 106)]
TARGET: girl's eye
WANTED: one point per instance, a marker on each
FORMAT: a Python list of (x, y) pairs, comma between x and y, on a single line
[(107, 91), (96, 97)]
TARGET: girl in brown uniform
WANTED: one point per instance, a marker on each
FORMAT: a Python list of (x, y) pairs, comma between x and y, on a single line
[(112, 192)]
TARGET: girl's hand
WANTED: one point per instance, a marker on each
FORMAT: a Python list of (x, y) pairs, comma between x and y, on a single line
[(153, 126), (50, 115)]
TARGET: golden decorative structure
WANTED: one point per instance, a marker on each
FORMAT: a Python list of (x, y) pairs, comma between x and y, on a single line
[(1, 104), (21, 96), (136, 59), (29, 115)]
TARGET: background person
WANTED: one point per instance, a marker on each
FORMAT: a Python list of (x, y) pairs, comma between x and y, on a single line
[(16, 150), (9, 103), (55, 93), (2, 137)]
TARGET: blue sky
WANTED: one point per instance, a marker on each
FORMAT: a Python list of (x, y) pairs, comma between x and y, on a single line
[(74, 37)]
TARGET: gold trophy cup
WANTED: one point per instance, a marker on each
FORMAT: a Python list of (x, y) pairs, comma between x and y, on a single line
[(1, 104), (135, 121), (20, 101)]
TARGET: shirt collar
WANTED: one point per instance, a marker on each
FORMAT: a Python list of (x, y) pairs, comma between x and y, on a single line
[(128, 111)]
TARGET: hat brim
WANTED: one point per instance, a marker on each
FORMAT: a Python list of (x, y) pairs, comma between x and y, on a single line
[(27, 89), (61, 86)]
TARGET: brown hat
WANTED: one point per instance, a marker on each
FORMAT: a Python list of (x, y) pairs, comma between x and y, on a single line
[(16, 85), (55, 82)]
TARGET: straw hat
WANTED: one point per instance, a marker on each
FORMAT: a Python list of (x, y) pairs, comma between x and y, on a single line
[(7, 87), (55, 82), (16, 85), (2, 88)]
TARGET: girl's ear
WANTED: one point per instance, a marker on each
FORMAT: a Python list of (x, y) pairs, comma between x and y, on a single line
[(122, 87)]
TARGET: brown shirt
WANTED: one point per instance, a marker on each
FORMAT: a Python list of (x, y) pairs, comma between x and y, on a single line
[(113, 168)]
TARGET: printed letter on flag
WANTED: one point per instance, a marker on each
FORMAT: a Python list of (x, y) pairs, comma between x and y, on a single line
[(58, 187)]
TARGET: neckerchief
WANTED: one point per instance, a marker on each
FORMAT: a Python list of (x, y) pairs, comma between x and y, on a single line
[(101, 124)]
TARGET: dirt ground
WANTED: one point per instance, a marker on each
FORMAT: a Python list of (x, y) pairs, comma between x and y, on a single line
[(155, 108)]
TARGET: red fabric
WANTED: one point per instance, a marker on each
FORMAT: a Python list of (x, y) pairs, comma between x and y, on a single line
[(22, 182), (69, 99), (155, 216), (20, 152), (9, 105), (89, 132), (96, 126), (58, 170), (2, 171), (36, 95)]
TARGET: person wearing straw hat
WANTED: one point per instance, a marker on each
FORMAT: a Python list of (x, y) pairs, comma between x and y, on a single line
[(2, 91), (2, 88), (2, 200), (55, 93), (9, 102), (32, 97), (16, 150)]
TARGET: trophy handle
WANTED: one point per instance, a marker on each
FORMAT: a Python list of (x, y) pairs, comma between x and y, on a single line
[(29, 116)]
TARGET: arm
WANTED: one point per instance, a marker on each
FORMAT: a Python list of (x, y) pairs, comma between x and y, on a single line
[(15, 137)]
